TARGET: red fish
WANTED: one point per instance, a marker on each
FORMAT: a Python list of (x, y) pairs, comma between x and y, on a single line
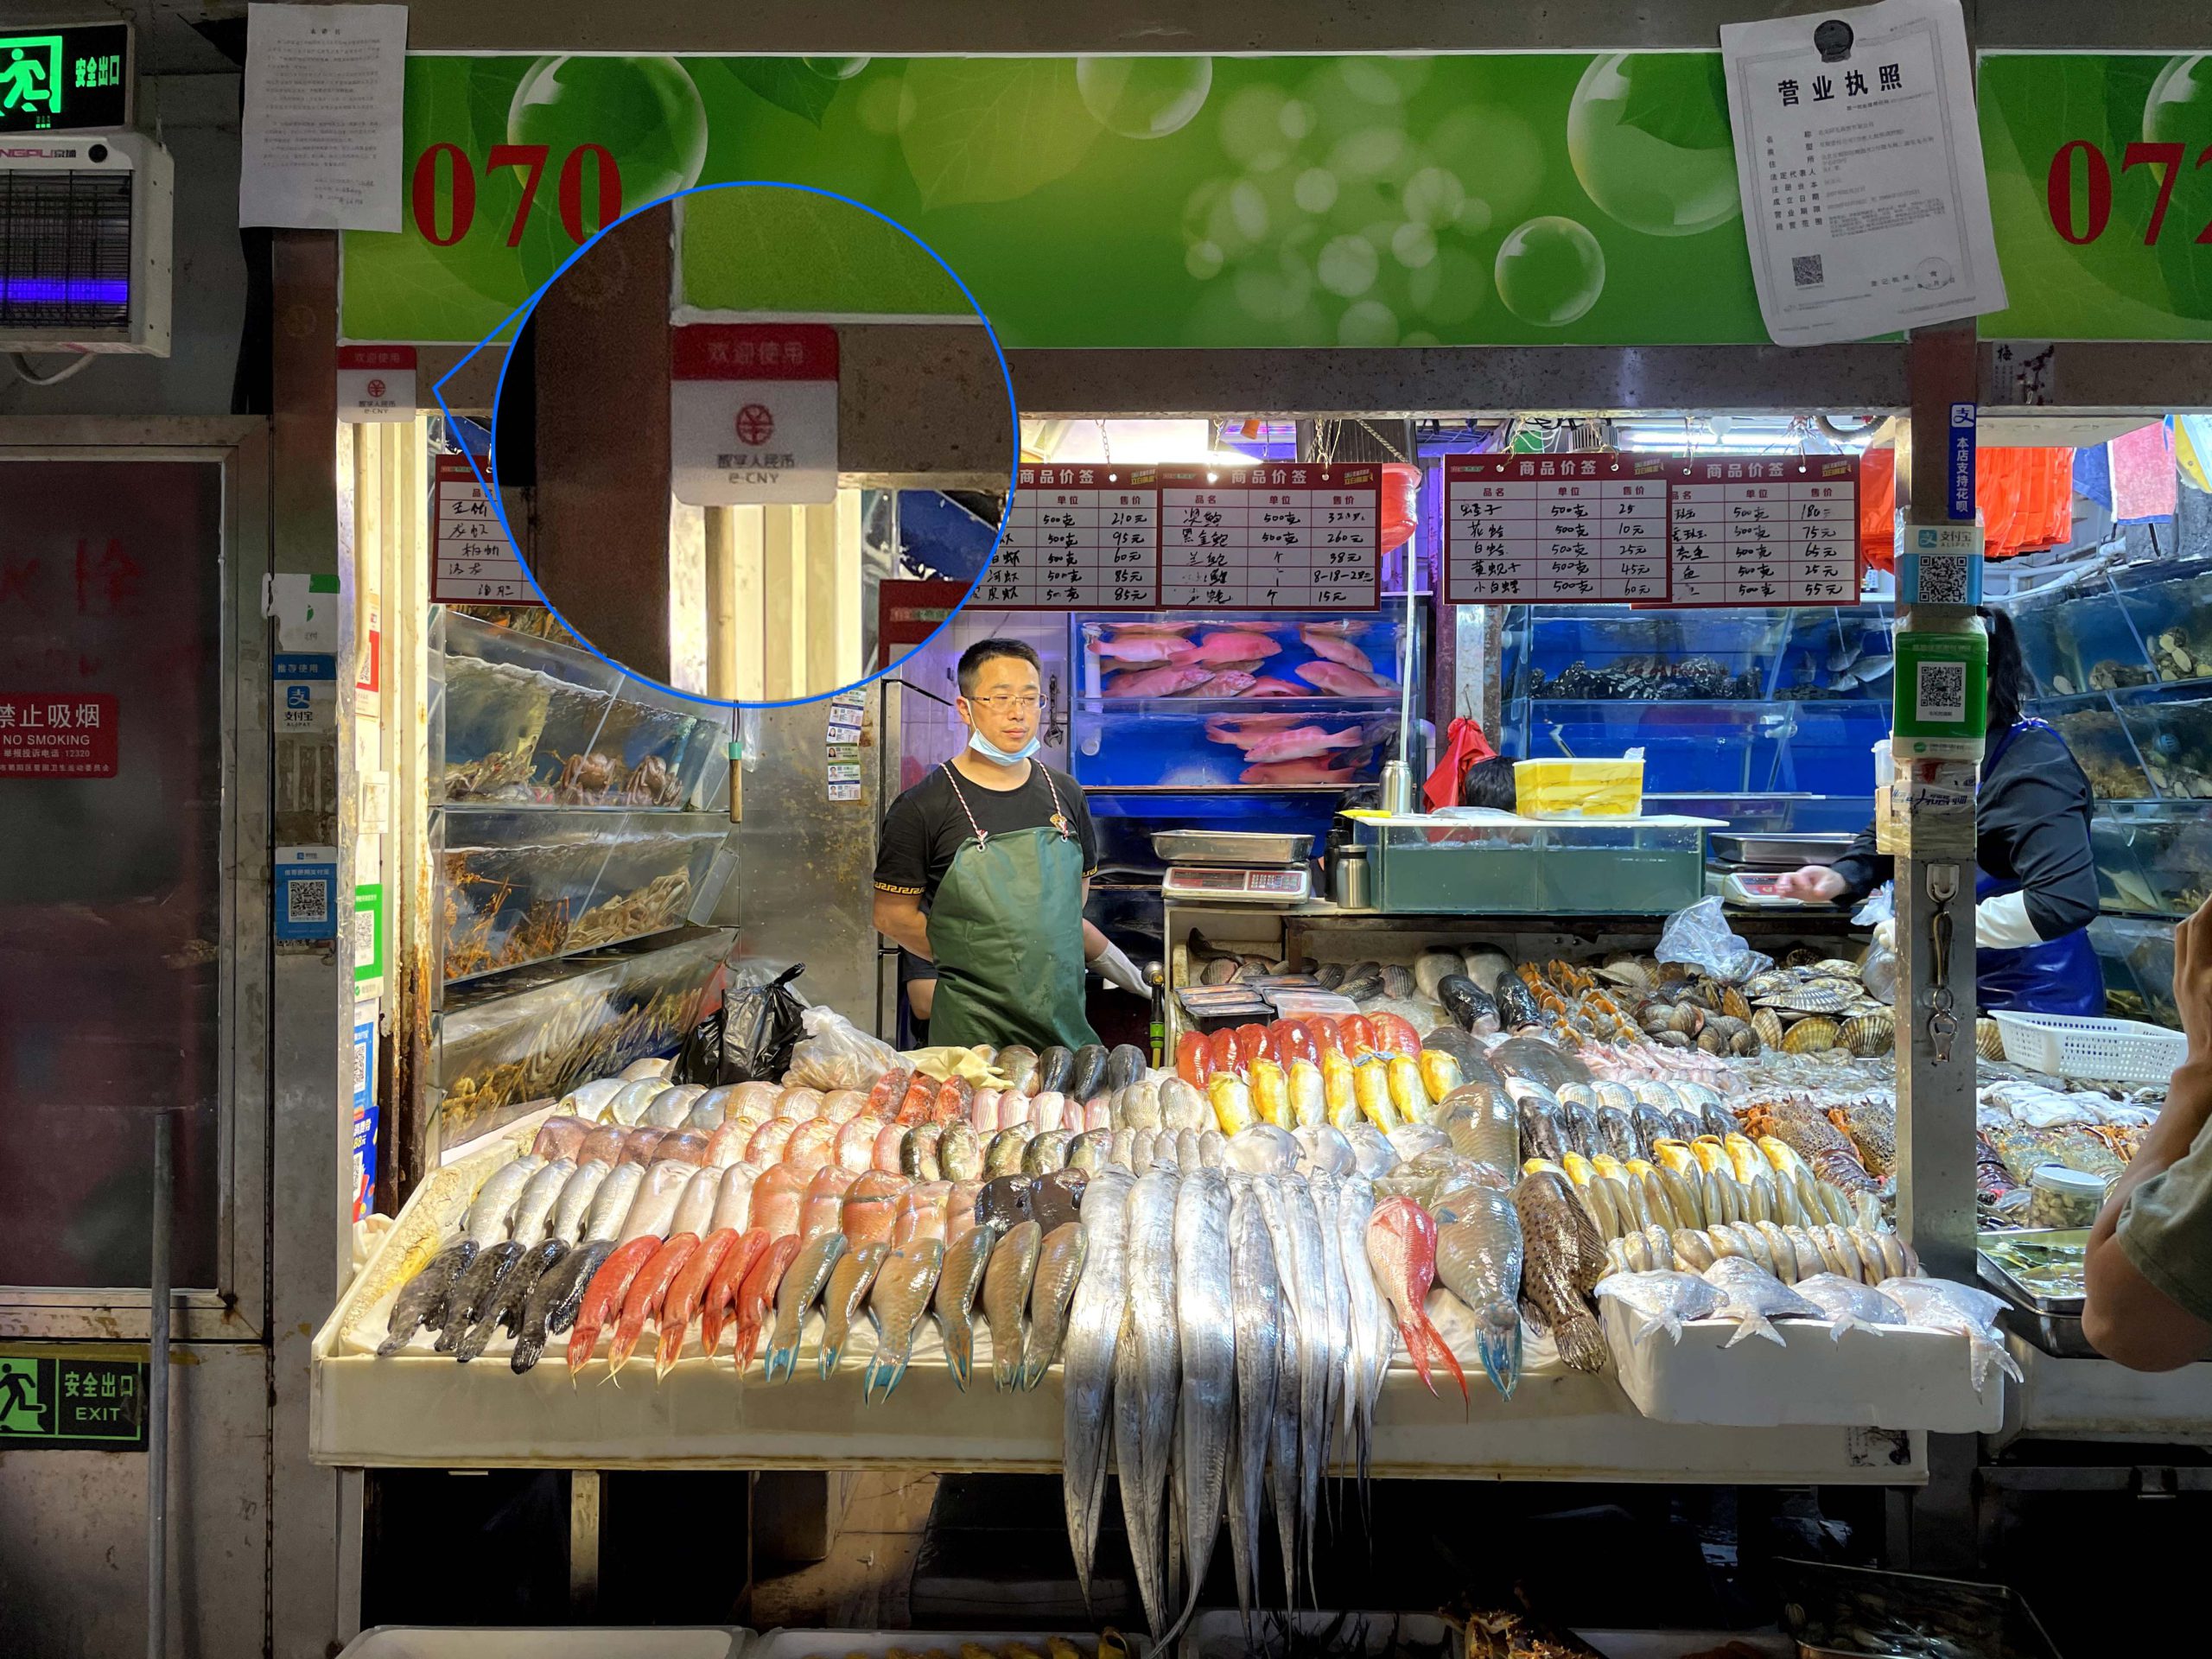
[(1294, 1042), (1326, 642), (1252, 1044), (644, 1300), (603, 1296), (685, 1293), (1221, 1049), (757, 1293), (776, 1199), (1339, 681), (1358, 1033), (721, 1299), (1300, 741), (1268, 686), (890, 1089), (1167, 681), (855, 1149), (1143, 648), (1234, 646), (1326, 1034), (1193, 1061), (884, 1154), (1230, 683), (870, 1207), (1394, 1035), (637, 1146), (1401, 1248), (919, 1099), (1299, 772), (1240, 730), (954, 1097)]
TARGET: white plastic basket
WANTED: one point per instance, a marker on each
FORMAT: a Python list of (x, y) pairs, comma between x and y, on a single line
[(2103, 1051)]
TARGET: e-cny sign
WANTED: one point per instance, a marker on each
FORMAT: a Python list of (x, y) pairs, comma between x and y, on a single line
[(752, 414), (56, 735)]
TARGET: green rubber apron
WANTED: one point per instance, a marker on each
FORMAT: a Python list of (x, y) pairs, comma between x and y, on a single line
[(1005, 928)]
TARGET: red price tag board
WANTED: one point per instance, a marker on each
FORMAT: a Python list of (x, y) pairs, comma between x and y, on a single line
[(1582, 530), (1078, 538), (1764, 530), (57, 734), (1284, 537), (472, 561)]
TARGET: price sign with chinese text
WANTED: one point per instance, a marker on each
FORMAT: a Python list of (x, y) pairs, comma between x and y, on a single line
[(1283, 536), (1772, 530), (472, 561), (1583, 529), (1078, 538)]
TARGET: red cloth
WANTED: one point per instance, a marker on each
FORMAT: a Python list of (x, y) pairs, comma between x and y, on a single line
[(2025, 496), (1401, 487), (1464, 745)]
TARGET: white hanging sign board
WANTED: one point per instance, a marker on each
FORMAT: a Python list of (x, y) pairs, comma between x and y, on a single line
[(752, 414), (376, 382), (1859, 161)]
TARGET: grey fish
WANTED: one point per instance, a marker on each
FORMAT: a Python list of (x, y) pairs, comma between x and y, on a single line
[(917, 1159), (628, 1106), (1398, 980), (733, 1200), (957, 1285), (896, 1303), (1181, 1106), (1431, 967), (1059, 1266), (1753, 1297), (802, 1284), (482, 1291), (1147, 1366), (960, 1153), (1056, 1198), (534, 1209), (1324, 1148), (507, 1305), (1650, 1125), (1090, 1150), (1299, 1349), (1046, 1152), (1206, 1333), (1362, 985), (550, 1307), (1578, 1127), (487, 1223), (1055, 1065), (848, 1289), (1018, 1065), (1481, 1124), (1479, 1260), (1088, 1070), (1330, 975), (1087, 1364), (1002, 1154), (1213, 1149), (1255, 1299), (1125, 1064), (1326, 1193), (575, 1202), (1484, 964), (1562, 1259), (426, 1294), (1005, 1294), (1616, 1134), (1371, 1334)]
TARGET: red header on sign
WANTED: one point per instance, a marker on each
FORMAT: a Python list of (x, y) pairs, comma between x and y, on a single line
[(909, 612), (376, 357), (754, 351), (55, 735)]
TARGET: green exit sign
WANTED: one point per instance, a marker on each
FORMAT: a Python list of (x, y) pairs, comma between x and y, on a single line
[(52, 1400), (61, 78)]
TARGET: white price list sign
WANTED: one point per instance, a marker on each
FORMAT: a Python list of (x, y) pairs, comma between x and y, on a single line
[(1078, 538), (1277, 538), (1770, 531), (473, 563), (1585, 530)]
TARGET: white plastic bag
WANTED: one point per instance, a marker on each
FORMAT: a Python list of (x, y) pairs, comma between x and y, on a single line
[(837, 1054), (1702, 937), (1879, 972)]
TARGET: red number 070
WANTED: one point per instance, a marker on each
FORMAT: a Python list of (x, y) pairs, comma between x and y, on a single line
[(531, 158), (2058, 187)]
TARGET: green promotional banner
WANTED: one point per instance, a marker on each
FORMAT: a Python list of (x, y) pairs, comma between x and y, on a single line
[(1226, 202)]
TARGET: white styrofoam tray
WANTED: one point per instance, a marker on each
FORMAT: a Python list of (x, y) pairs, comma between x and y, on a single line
[(1900, 1379), (596, 1641)]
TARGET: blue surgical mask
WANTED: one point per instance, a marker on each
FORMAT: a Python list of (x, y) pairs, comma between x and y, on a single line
[(990, 751)]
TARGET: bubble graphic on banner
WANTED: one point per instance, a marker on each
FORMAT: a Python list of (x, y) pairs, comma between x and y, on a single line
[(1550, 271), (836, 69), (1367, 322), (1143, 98), (1647, 134), (1347, 266), (644, 112)]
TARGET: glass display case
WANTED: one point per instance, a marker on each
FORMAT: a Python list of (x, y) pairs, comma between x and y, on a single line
[(2154, 858), (501, 1046), (2171, 729), (1468, 861), (2100, 744), (2170, 607), (2076, 637), (521, 722), (1723, 702), (2138, 957), (516, 887)]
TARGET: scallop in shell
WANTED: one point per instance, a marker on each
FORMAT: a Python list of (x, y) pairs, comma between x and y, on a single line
[(1734, 1004), (1989, 1039), (1869, 1035), (1811, 1035), (1766, 1026)]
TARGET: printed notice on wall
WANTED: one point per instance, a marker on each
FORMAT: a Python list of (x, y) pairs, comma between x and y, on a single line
[(1859, 162), (324, 90)]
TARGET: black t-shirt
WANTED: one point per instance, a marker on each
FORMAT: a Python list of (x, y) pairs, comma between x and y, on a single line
[(925, 826)]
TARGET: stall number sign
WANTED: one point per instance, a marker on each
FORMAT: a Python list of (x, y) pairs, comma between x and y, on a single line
[(1100, 537), (752, 414), (54, 735), (473, 562), (61, 78), (376, 382), (53, 1404), (1602, 529)]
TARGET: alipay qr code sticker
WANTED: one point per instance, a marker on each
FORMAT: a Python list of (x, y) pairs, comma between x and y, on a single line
[(1940, 564)]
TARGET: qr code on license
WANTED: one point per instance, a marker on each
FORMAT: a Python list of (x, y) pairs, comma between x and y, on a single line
[(1805, 270), (1940, 579), (308, 901), (1940, 692)]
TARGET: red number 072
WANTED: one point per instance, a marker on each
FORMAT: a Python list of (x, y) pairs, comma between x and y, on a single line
[(2096, 203)]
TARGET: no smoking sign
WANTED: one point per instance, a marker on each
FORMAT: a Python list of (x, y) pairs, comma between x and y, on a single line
[(752, 414)]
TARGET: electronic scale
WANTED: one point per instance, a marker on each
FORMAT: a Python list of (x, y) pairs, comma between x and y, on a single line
[(1233, 866)]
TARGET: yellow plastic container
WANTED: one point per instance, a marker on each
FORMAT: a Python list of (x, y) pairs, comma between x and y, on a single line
[(1577, 789)]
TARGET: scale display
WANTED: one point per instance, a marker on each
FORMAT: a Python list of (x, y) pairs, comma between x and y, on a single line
[(1238, 885), (63, 79)]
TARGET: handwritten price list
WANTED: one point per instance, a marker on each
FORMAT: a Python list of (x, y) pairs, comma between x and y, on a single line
[(1100, 537), (1601, 529), (473, 563)]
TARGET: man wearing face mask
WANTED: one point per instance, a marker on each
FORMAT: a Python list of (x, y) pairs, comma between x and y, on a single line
[(984, 866)]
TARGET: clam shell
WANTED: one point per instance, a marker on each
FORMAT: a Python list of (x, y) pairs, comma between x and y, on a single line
[(1745, 1042), (1766, 1025), (1836, 967), (1734, 1004), (1869, 1035), (1814, 996), (1811, 1036), (1989, 1039), (1686, 1017)]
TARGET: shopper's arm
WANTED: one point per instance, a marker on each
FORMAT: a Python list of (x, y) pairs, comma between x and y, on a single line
[(900, 918)]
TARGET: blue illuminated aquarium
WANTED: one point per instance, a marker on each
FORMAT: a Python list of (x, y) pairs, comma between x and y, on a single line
[(1745, 708)]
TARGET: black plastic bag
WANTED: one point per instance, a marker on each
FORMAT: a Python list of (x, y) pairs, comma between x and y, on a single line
[(760, 1026)]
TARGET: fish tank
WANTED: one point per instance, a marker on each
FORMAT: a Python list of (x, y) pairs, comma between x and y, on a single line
[(502, 1045), (2172, 730), (516, 887), (1731, 703), (1471, 861), (2077, 638), (1285, 702), (2170, 607), (2154, 858), (2138, 958), (518, 721), (2100, 743)]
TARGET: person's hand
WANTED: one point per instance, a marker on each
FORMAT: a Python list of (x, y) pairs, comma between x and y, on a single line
[(1116, 968), (1813, 882), (1886, 936), (2193, 982)]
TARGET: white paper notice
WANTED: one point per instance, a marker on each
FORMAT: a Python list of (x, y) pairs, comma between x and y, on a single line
[(1860, 166), (324, 90)]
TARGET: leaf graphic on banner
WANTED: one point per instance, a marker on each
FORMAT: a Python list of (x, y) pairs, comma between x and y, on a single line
[(991, 129), (786, 83), (1680, 98)]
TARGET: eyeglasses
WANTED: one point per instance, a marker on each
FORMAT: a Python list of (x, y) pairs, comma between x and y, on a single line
[(1028, 703)]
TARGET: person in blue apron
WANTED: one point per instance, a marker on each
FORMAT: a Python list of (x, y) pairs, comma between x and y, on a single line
[(983, 868), (2035, 880)]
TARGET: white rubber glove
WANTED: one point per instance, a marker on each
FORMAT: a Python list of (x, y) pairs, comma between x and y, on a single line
[(1115, 969), (2003, 924), (1885, 935)]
